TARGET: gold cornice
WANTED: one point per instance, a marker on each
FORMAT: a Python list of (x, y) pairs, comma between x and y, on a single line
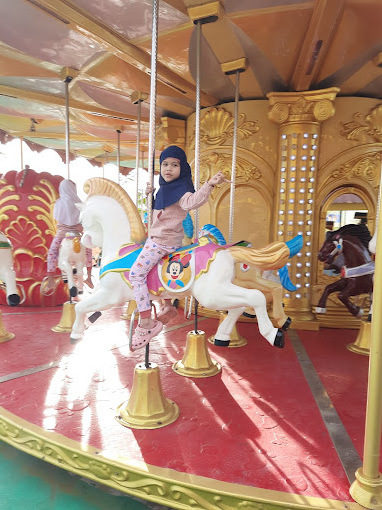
[(311, 106), (160, 485)]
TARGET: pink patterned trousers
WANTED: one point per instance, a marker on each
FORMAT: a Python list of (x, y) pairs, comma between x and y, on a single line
[(150, 255)]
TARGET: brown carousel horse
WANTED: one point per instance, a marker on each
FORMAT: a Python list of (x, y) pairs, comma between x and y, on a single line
[(344, 249)]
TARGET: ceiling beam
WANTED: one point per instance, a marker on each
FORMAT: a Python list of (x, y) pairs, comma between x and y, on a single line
[(323, 24), (361, 78), (96, 30), (55, 100)]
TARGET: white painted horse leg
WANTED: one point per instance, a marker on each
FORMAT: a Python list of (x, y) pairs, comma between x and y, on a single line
[(9, 278), (111, 292), (66, 268), (225, 329), (80, 277)]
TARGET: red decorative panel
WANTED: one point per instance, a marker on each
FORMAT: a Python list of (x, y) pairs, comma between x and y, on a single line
[(26, 218)]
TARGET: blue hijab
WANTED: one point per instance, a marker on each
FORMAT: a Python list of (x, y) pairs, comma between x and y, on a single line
[(171, 192)]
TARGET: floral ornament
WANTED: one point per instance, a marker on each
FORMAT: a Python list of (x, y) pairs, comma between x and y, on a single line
[(364, 129), (6, 199)]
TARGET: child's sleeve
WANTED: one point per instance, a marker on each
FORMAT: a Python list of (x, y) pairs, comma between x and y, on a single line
[(191, 201)]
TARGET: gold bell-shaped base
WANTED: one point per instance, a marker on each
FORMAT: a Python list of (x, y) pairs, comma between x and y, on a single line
[(147, 407), (4, 334), (235, 339), (362, 343), (68, 317), (196, 361), (129, 310)]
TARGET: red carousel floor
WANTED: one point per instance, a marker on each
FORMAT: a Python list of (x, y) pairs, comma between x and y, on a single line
[(283, 422)]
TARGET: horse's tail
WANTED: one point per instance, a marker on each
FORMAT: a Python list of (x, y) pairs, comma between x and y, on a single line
[(272, 256)]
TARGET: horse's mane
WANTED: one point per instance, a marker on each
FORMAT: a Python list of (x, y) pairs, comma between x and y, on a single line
[(360, 231), (100, 186)]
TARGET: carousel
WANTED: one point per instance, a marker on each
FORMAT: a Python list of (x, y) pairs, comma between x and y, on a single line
[(264, 391)]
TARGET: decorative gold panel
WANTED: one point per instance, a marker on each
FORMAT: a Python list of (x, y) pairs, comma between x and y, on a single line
[(217, 126)]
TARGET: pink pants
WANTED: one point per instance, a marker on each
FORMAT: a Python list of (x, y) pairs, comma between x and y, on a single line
[(150, 255), (56, 243)]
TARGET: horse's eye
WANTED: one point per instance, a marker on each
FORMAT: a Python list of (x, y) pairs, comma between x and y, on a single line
[(244, 267)]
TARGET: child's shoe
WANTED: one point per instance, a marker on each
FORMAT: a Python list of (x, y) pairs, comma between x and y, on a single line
[(142, 336), (167, 314)]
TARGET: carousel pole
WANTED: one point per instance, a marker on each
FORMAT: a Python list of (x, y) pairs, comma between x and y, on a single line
[(119, 153), (367, 488), (67, 80), (229, 68), (136, 98), (68, 315), (21, 154), (196, 361), (147, 407), (197, 119)]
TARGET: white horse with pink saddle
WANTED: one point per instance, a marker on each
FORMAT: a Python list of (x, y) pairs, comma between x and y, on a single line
[(111, 220)]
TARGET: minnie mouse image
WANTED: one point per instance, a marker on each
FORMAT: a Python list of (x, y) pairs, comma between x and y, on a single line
[(175, 270)]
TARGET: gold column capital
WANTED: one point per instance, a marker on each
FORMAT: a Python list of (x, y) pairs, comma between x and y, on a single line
[(311, 106), (171, 132)]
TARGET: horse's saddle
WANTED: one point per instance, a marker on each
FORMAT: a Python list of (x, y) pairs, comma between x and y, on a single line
[(175, 272)]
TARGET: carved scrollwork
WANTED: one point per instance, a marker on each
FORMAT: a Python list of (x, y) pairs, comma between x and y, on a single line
[(364, 129), (364, 168), (217, 126), (217, 162)]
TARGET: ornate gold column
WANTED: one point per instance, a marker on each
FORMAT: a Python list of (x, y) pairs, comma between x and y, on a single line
[(300, 115)]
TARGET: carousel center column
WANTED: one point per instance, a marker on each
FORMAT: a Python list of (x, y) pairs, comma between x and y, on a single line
[(299, 115)]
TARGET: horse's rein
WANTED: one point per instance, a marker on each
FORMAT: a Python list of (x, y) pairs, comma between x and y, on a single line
[(338, 247)]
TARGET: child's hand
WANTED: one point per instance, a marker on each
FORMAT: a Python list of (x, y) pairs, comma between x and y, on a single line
[(149, 188), (217, 179)]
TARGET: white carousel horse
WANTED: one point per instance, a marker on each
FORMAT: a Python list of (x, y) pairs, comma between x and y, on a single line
[(7, 273), (72, 255), (110, 219)]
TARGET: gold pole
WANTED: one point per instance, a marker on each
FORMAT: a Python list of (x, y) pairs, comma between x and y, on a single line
[(4, 334), (147, 407), (68, 317), (367, 488), (196, 361)]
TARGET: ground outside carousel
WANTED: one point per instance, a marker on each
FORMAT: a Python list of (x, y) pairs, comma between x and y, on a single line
[(260, 428)]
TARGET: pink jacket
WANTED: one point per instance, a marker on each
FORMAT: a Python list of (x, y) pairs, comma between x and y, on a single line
[(166, 227)]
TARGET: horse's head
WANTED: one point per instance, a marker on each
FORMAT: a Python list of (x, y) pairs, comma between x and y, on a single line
[(331, 248), (93, 232)]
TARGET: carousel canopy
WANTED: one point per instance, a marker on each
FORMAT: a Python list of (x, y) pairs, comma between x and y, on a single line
[(103, 48)]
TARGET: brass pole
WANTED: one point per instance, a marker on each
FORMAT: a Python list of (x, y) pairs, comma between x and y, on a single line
[(367, 488)]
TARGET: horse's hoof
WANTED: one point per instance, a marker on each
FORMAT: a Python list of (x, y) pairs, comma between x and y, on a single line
[(369, 317), (320, 310), (221, 343), (13, 299), (73, 292), (279, 340), (175, 303), (360, 313), (94, 316), (286, 324)]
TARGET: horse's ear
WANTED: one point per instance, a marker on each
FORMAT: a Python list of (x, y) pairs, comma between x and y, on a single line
[(80, 206)]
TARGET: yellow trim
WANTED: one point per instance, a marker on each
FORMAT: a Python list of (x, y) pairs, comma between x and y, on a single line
[(160, 485)]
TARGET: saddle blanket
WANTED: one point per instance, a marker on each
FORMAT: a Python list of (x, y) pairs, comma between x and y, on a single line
[(175, 272)]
